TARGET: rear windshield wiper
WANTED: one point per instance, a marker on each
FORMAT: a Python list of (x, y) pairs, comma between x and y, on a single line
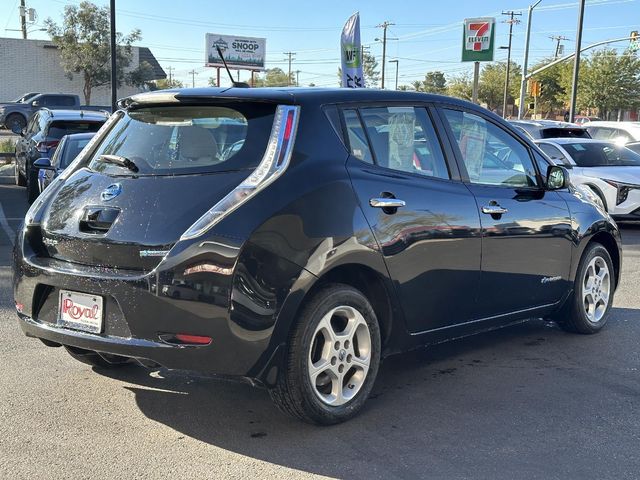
[(118, 160)]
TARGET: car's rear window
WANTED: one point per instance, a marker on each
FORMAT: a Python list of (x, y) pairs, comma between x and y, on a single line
[(565, 133), (60, 128), (173, 140)]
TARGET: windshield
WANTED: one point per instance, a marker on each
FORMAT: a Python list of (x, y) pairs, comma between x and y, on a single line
[(25, 98), (601, 155), (187, 139)]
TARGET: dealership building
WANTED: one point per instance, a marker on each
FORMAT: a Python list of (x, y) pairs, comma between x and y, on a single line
[(34, 66)]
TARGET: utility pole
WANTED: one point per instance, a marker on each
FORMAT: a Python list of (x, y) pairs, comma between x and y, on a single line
[(512, 21), (170, 69), (525, 62), (397, 62), (384, 25), (297, 78), (576, 63), (290, 55), (23, 19), (193, 78), (113, 51), (557, 39)]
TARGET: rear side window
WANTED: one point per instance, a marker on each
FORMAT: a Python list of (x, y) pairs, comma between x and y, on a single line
[(403, 138), (357, 139), (60, 128), (72, 148), (188, 139)]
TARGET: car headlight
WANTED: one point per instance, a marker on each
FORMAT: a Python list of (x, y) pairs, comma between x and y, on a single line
[(622, 189)]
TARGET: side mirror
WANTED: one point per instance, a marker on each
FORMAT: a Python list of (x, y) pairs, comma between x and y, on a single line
[(43, 164), (15, 128), (557, 178), (35, 103)]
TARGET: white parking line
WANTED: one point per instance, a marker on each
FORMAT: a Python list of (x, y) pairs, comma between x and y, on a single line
[(4, 223)]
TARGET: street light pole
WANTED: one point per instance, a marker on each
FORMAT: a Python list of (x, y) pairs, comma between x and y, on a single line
[(114, 76), (576, 63), (512, 20), (397, 62), (525, 61)]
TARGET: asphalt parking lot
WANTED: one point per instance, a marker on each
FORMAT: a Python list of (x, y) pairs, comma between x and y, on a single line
[(525, 402)]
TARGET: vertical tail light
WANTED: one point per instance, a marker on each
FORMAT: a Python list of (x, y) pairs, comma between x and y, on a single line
[(274, 162)]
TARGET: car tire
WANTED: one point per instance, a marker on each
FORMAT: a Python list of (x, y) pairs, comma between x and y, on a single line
[(94, 359), (15, 119), (32, 187), (19, 178), (588, 308), (332, 358)]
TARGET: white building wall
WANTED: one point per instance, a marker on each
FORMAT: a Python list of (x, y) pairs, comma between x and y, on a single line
[(34, 66)]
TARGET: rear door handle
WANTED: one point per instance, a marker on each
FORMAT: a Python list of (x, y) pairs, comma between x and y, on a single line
[(494, 210), (387, 203)]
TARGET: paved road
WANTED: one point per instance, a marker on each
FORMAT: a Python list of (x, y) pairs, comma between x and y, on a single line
[(525, 402)]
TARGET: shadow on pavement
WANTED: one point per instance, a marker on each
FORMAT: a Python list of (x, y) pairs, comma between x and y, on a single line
[(434, 412)]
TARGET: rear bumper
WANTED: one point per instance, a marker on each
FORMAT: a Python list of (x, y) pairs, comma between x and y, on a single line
[(138, 309)]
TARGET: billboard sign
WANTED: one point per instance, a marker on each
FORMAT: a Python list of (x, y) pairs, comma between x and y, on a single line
[(478, 39), (246, 53)]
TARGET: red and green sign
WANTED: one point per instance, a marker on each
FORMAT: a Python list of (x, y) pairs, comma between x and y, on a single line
[(478, 39)]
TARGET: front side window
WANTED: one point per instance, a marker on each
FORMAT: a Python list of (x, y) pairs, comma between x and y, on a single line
[(187, 139), (403, 138), (490, 154)]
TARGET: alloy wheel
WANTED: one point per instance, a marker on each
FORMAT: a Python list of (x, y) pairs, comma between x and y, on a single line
[(340, 355), (596, 288)]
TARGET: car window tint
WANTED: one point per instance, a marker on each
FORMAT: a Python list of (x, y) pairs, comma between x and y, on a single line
[(358, 144), (60, 128), (72, 149), (403, 138), (490, 154), (553, 152)]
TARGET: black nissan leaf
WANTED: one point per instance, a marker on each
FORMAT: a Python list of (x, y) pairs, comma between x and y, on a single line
[(296, 237)]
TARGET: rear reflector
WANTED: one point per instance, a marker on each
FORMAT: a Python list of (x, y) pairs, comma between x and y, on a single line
[(192, 339)]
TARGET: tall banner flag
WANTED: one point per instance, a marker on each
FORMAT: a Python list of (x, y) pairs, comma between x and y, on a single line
[(352, 75)]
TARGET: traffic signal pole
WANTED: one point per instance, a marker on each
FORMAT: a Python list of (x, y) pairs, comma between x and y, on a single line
[(525, 61), (576, 63)]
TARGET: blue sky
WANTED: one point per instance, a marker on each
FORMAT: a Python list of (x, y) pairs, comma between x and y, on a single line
[(428, 33)]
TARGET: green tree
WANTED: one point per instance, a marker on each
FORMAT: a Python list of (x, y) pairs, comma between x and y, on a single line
[(434, 82), (554, 95), (165, 83), (460, 86), (83, 42), (610, 82), (274, 77), (491, 84)]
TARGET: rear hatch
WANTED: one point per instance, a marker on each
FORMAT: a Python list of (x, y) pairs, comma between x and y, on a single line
[(157, 171)]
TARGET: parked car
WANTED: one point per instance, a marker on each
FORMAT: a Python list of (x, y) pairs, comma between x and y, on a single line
[(619, 132), (15, 115), (25, 98), (340, 227), (583, 120), (612, 171), (537, 129), (42, 134), (66, 151)]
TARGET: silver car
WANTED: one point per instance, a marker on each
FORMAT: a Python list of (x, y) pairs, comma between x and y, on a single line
[(611, 170)]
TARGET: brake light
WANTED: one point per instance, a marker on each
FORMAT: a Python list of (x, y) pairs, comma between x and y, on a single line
[(193, 339), (44, 147), (274, 162)]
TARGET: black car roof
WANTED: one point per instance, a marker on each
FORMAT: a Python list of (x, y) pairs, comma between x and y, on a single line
[(291, 95)]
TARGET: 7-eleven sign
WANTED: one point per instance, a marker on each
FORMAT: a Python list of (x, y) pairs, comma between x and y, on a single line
[(478, 40)]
